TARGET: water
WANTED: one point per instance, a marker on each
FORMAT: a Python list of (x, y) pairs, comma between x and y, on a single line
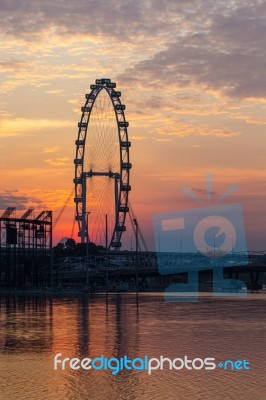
[(33, 330)]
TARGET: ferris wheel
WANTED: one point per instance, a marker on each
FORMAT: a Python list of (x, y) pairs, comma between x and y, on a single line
[(102, 167)]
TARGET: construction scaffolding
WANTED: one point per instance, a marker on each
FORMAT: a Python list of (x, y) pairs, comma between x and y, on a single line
[(25, 249)]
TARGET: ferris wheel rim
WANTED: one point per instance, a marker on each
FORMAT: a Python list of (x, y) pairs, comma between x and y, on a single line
[(124, 159)]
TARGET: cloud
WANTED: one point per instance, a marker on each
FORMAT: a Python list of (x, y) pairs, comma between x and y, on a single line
[(180, 103), (52, 149), (180, 129), (259, 121), (11, 65), (97, 18), (217, 46), (55, 91), (203, 191), (57, 162), (163, 140), (136, 137), (226, 54), (24, 126), (22, 201), (40, 199)]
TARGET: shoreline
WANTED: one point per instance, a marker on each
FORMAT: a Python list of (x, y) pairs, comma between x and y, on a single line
[(79, 293)]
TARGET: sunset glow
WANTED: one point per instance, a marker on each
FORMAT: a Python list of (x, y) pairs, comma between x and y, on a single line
[(192, 78)]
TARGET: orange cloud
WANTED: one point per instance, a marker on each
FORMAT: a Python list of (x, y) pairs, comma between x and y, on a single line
[(24, 126), (57, 162)]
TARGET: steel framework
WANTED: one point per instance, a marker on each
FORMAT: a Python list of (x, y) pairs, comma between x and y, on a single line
[(84, 173), (25, 249)]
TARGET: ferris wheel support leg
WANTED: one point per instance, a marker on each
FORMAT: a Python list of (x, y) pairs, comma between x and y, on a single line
[(116, 201), (84, 222)]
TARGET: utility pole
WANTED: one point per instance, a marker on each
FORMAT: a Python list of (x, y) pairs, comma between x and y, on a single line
[(106, 247), (136, 254), (87, 252)]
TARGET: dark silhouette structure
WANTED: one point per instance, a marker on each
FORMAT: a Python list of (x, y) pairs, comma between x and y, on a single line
[(25, 249)]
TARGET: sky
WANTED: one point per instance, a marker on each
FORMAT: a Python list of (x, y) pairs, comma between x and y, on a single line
[(192, 76)]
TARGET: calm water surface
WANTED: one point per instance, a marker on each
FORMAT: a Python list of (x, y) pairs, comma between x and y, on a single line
[(33, 330)]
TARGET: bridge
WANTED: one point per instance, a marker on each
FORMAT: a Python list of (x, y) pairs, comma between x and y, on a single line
[(132, 271)]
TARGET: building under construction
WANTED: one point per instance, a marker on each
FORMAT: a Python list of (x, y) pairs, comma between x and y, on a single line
[(25, 249)]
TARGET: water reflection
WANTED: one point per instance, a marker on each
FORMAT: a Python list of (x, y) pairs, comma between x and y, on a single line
[(34, 329), (26, 324)]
